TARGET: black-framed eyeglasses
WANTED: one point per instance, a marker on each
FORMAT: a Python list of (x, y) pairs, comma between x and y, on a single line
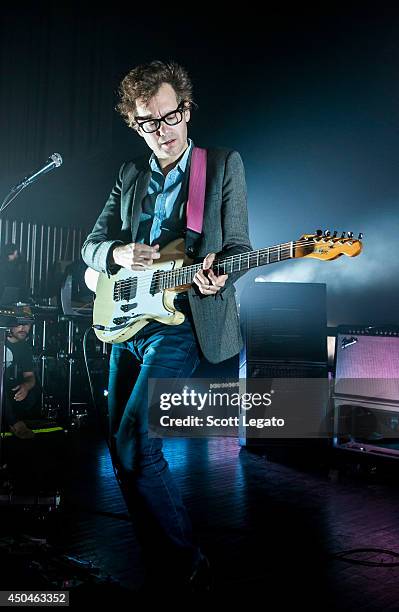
[(172, 118)]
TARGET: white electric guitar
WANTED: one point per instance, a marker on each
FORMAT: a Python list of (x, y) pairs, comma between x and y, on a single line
[(126, 301)]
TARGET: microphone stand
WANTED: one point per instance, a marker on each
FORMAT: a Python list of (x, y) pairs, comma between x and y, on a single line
[(15, 191), (56, 161), (11, 196), (3, 333)]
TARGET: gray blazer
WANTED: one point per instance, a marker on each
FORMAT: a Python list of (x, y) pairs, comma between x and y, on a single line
[(225, 232)]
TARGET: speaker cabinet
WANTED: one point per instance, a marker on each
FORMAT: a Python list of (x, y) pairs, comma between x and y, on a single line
[(284, 330)]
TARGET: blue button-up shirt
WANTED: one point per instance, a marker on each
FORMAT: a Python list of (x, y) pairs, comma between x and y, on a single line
[(163, 210)]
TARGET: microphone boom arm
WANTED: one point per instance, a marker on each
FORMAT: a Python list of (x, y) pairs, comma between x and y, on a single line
[(54, 161)]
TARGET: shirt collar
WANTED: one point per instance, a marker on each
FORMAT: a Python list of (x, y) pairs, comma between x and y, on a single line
[(182, 165)]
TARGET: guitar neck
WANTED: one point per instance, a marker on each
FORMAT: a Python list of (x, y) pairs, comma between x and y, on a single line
[(319, 246), (234, 263)]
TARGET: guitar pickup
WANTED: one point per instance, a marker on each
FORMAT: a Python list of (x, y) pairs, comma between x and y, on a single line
[(125, 289), (127, 307)]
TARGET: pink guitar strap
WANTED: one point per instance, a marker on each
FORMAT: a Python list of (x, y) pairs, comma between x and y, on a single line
[(196, 190)]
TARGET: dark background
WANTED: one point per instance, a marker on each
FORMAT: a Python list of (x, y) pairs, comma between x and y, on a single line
[(309, 99)]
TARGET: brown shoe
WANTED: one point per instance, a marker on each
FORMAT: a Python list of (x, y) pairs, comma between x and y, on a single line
[(20, 430)]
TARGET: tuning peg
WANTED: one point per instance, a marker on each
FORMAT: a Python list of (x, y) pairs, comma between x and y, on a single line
[(335, 234), (327, 233), (350, 234), (343, 234), (319, 232), (360, 236)]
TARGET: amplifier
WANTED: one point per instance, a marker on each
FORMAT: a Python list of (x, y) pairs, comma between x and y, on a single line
[(365, 396), (284, 322), (367, 363)]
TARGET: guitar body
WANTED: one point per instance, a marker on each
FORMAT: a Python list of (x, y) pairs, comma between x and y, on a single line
[(118, 321)]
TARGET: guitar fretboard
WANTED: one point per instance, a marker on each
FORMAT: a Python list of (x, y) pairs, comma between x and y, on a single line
[(126, 289), (234, 263)]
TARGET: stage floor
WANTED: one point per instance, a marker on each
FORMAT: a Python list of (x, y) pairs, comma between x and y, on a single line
[(269, 529)]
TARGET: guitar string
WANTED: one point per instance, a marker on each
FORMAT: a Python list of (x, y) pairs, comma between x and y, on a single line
[(248, 256), (237, 257)]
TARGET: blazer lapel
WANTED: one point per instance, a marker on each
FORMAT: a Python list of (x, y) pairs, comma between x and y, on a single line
[(140, 191)]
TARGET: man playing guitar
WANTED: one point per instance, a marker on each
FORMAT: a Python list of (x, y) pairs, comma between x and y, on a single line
[(146, 210)]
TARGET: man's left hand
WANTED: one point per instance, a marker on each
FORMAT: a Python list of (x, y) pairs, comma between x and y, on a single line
[(21, 392), (206, 280)]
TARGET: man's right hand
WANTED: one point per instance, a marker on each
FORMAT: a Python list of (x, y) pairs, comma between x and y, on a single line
[(135, 256)]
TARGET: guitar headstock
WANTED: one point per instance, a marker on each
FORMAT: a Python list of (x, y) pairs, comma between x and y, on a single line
[(323, 245)]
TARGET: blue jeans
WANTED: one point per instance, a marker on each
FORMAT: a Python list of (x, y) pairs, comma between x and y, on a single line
[(159, 351)]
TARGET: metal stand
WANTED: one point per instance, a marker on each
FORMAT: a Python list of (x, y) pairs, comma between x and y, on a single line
[(3, 332), (70, 358), (43, 363), (75, 411), (61, 362)]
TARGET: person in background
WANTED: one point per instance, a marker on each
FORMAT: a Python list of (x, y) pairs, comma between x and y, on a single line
[(13, 274), (22, 392)]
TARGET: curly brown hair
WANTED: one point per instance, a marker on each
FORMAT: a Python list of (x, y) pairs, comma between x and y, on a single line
[(144, 81)]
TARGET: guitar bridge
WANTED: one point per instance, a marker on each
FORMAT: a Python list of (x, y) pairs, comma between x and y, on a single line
[(123, 320)]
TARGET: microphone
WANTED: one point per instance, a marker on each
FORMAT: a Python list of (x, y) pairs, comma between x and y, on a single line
[(54, 161)]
